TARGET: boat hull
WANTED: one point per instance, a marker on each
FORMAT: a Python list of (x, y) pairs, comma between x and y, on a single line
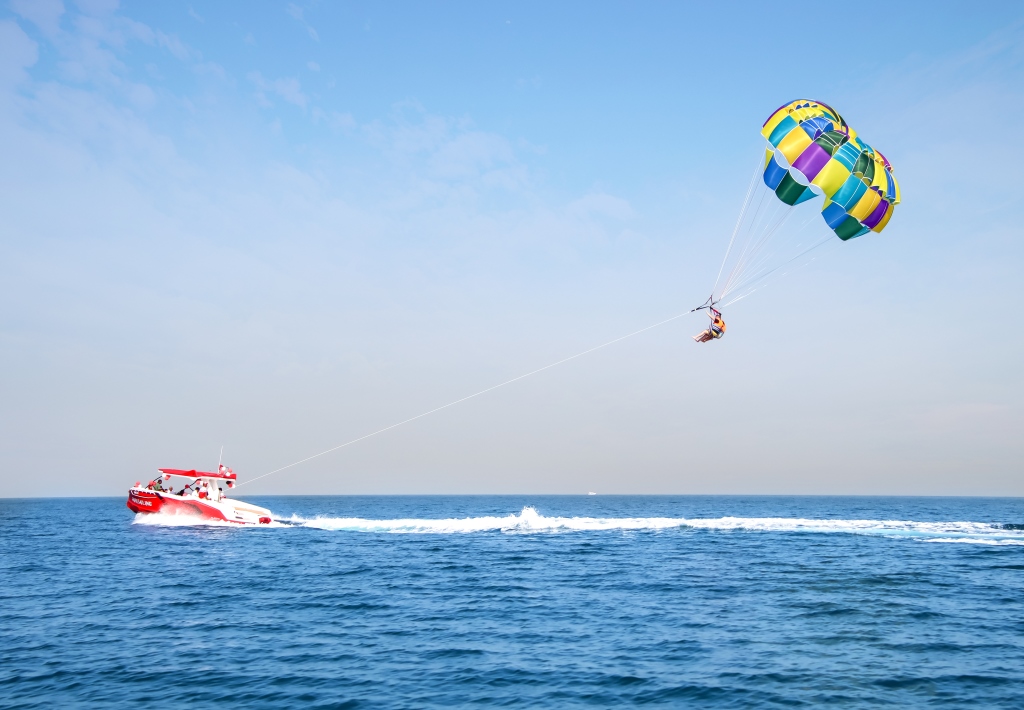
[(143, 500)]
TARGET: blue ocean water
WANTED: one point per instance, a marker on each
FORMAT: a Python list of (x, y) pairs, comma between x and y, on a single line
[(529, 601)]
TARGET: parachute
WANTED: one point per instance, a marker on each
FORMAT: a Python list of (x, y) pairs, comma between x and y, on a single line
[(811, 152)]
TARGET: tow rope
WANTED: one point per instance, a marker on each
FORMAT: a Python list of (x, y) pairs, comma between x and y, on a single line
[(477, 394)]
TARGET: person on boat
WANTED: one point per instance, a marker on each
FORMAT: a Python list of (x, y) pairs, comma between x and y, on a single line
[(716, 330)]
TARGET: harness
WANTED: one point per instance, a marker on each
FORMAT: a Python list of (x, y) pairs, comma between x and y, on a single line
[(716, 315)]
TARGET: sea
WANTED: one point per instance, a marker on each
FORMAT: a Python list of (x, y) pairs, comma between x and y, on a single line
[(517, 601)]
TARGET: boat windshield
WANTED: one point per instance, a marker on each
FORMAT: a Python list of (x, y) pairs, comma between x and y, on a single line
[(188, 487)]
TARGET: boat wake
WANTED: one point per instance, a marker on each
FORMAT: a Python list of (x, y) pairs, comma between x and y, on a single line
[(530, 521)]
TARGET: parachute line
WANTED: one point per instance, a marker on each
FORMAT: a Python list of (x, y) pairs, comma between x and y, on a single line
[(739, 220), (755, 270), (756, 248), (754, 255), (746, 241), (763, 278)]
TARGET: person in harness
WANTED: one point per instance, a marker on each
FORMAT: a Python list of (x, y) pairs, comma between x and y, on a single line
[(716, 330)]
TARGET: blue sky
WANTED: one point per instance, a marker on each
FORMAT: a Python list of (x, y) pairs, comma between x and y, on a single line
[(278, 226)]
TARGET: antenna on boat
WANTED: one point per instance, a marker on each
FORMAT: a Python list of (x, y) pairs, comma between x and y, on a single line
[(220, 459)]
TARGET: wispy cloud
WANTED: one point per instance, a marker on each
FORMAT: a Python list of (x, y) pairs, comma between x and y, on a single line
[(288, 89), (17, 53), (98, 7), (195, 15), (298, 14), (176, 47), (44, 14), (211, 69), (334, 119), (445, 161), (600, 204), (89, 50)]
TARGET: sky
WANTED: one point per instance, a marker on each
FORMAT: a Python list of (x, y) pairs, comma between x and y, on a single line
[(276, 227)]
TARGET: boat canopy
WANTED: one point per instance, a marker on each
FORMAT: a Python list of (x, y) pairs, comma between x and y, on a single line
[(225, 474)]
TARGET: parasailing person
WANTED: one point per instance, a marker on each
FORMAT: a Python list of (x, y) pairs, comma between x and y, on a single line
[(716, 330)]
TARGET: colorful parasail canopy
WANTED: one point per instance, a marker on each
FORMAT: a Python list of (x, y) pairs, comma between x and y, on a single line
[(812, 151)]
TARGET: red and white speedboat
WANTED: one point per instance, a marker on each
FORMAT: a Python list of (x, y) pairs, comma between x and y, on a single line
[(201, 495)]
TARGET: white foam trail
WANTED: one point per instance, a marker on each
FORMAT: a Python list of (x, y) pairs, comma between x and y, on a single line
[(977, 541), (530, 521)]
